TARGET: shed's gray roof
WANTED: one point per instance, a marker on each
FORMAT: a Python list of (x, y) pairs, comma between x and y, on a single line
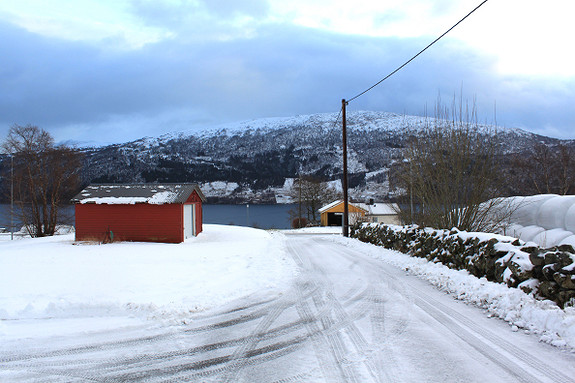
[(157, 194)]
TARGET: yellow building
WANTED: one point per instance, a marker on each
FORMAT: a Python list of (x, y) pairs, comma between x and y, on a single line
[(332, 214), (379, 212)]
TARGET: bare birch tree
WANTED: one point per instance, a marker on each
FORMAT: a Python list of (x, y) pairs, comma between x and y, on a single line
[(44, 176)]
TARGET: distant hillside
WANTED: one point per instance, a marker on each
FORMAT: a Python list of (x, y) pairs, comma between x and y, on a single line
[(255, 161)]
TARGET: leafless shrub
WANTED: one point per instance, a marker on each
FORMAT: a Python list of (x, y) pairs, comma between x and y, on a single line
[(451, 171)]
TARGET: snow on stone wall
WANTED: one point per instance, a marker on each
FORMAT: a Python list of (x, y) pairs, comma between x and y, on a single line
[(546, 219)]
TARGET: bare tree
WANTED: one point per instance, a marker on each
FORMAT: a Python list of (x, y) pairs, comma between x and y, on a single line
[(451, 170), (546, 170), (310, 194), (44, 176)]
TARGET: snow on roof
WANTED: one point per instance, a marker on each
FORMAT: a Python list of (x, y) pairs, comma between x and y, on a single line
[(156, 194), (330, 205), (378, 208), (335, 203)]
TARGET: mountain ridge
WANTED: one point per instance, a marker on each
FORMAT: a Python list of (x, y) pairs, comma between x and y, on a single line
[(254, 160)]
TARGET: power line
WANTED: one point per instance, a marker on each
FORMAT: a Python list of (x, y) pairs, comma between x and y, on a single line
[(338, 116), (414, 57)]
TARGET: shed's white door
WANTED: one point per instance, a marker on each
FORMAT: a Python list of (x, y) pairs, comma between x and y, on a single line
[(194, 232), (188, 221)]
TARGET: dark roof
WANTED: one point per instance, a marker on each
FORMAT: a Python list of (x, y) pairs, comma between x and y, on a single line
[(157, 194)]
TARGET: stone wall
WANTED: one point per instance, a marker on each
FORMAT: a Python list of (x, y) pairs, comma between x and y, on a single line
[(547, 273)]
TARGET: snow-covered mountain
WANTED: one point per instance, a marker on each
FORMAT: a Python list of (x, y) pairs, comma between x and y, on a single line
[(255, 161)]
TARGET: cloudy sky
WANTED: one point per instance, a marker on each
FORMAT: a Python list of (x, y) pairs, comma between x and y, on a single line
[(103, 71)]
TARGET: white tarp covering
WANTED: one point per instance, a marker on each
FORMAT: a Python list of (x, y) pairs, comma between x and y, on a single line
[(546, 219)]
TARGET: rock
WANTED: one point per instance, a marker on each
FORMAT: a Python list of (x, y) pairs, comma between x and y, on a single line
[(565, 259), (536, 258), (518, 271), (550, 257), (552, 274), (548, 271), (537, 272), (498, 271), (530, 249), (565, 281), (566, 249), (548, 289), (565, 296)]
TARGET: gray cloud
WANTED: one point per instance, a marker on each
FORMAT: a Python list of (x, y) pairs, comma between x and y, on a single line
[(205, 20), (87, 93)]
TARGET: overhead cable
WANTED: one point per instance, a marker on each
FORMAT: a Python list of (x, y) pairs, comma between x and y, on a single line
[(338, 116), (414, 57)]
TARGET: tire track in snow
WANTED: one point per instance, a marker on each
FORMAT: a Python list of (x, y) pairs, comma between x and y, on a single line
[(327, 362), (371, 354), (341, 323), (43, 362), (458, 323), (324, 347), (384, 359), (239, 359), (488, 352), (468, 331), (111, 365)]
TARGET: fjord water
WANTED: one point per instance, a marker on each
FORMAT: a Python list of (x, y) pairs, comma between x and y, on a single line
[(260, 216)]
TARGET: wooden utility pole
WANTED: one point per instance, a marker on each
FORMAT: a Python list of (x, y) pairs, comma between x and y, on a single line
[(11, 196), (299, 200), (411, 190), (345, 223)]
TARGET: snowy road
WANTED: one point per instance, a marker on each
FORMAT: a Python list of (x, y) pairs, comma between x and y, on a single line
[(346, 318)]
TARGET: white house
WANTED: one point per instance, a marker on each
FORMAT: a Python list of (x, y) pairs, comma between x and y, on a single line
[(380, 212)]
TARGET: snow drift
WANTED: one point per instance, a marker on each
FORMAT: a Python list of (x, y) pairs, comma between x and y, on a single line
[(54, 277)]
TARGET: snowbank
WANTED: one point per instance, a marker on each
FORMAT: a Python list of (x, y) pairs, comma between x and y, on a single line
[(521, 310), (57, 278)]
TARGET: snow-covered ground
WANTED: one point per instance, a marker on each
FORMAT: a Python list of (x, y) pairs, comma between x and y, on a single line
[(86, 286), (315, 230), (71, 287), (523, 312)]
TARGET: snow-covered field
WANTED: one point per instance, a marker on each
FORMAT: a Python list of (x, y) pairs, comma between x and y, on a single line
[(87, 286)]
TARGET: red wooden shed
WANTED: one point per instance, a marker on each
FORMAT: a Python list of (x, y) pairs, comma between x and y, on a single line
[(139, 212)]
